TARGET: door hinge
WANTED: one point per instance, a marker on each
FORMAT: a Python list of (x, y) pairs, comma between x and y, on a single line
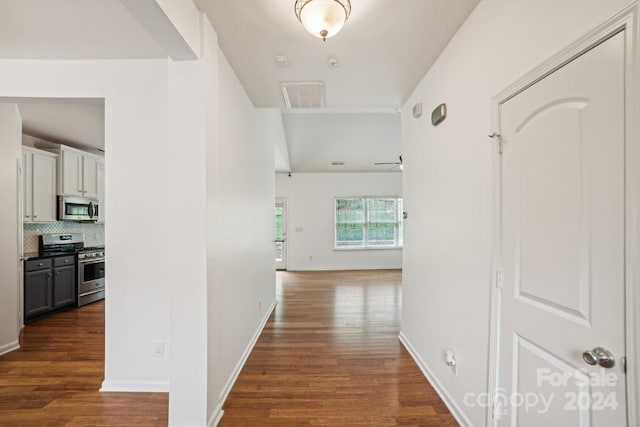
[(499, 280), (497, 138), (624, 365)]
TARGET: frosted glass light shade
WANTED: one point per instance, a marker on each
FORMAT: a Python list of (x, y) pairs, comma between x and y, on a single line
[(323, 18)]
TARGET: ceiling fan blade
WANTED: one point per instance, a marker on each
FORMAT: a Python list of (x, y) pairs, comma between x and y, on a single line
[(389, 163)]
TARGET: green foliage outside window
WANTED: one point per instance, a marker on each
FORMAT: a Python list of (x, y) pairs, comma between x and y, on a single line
[(279, 230), (368, 222)]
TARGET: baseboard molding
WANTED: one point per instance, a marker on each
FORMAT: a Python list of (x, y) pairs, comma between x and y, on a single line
[(135, 386), (234, 375), (9, 347), (347, 268), (215, 418), (455, 410)]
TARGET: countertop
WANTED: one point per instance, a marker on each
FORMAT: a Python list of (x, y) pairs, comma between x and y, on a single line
[(30, 255), (34, 255)]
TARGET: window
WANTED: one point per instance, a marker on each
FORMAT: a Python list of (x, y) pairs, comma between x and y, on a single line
[(368, 222), (279, 239)]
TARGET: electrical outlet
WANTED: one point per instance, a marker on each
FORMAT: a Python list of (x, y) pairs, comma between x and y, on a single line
[(158, 349), (310, 257), (450, 360)]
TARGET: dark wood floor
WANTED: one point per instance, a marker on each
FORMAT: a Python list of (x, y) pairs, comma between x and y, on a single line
[(330, 356), (54, 378)]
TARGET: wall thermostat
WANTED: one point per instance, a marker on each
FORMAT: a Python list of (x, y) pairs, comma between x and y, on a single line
[(439, 114)]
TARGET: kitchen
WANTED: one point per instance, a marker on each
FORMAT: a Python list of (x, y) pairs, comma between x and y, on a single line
[(62, 193)]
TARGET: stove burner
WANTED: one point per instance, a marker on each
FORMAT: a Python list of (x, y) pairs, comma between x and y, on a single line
[(92, 248)]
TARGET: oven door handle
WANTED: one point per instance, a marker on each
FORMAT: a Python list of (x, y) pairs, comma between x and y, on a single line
[(93, 261)]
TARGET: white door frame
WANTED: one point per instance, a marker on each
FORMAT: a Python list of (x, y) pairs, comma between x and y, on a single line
[(627, 20)]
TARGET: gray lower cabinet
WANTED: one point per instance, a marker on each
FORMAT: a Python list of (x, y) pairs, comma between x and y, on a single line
[(49, 284), (37, 292), (64, 281)]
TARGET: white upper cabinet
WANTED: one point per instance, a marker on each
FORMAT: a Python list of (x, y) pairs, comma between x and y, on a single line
[(39, 185), (78, 172), (100, 179), (90, 176), (70, 173)]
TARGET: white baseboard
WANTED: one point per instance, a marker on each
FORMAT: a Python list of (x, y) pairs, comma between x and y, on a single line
[(135, 386), (9, 347), (347, 268), (234, 375), (215, 418), (455, 410)]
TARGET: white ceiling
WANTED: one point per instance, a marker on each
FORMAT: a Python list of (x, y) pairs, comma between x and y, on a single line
[(384, 49), (357, 139), (70, 121), (72, 29)]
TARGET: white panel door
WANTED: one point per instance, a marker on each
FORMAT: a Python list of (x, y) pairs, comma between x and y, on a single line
[(563, 245)]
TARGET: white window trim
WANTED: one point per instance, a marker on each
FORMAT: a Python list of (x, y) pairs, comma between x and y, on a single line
[(365, 246)]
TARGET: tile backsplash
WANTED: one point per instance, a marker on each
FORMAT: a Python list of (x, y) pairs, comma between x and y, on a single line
[(93, 233)]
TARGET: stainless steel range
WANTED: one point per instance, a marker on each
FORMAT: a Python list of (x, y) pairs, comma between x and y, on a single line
[(90, 263), (91, 283)]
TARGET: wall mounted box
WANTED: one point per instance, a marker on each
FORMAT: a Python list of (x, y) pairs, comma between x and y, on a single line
[(439, 114), (417, 110)]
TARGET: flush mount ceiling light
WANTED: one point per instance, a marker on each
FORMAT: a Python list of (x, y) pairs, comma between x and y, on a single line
[(322, 18)]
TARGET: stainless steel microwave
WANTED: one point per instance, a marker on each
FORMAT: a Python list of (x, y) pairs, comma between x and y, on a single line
[(77, 209)]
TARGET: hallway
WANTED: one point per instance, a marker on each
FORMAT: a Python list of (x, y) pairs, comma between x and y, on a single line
[(330, 355)]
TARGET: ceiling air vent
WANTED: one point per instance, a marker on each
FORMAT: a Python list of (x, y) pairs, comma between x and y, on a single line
[(303, 94)]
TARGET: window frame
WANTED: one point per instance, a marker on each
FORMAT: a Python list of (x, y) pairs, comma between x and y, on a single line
[(397, 224)]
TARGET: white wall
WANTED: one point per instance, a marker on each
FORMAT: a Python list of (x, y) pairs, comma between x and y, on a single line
[(193, 283), (187, 250), (448, 181), (10, 141), (273, 132), (241, 193), (310, 219), (137, 306)]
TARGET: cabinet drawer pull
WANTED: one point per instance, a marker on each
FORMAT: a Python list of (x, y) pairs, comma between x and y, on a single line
[(66, 260), (40, 264)]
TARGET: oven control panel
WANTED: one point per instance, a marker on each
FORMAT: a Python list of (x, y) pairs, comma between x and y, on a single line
[(89, 255)]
